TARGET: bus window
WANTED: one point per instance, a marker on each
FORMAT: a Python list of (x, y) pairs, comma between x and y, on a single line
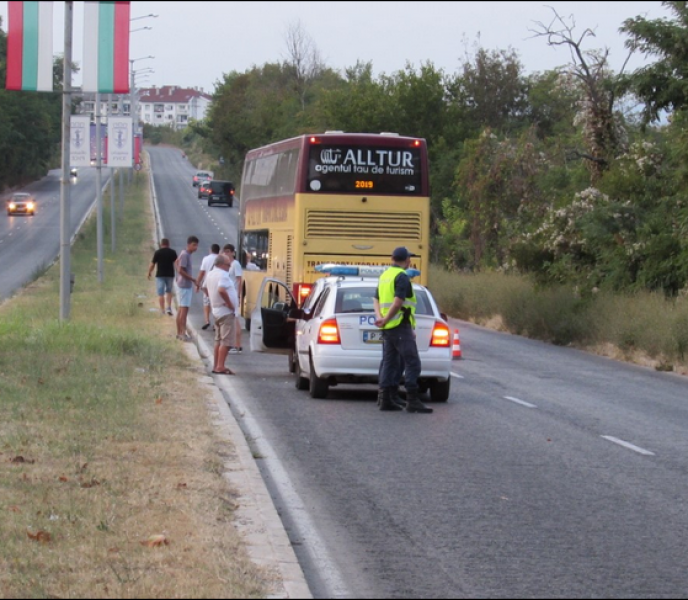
[(255, 244)]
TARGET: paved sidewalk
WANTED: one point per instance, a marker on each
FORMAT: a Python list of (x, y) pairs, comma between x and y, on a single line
[(256, 517)]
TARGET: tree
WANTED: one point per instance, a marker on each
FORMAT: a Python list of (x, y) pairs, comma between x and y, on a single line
[(663, 86), (490, 92), (303, 60), (30, 128), (358, 102), (497, 183), (589, 73)]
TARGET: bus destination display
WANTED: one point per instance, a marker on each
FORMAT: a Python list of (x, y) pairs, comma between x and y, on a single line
[(352, 170)]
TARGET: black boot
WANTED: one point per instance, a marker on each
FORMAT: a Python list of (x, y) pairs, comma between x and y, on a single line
[(414, 405), (396, 398), (384, 401)]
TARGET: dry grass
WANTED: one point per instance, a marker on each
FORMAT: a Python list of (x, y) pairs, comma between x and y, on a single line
[(106, 440), (642, 328)]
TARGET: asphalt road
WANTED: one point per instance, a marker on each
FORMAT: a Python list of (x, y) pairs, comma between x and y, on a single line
[(30, 244), (550, 473)]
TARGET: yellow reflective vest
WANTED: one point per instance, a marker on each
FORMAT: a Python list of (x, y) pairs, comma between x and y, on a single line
[(386, 298)]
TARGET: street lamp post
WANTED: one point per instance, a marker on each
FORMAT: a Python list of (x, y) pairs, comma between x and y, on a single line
[(134, 103)]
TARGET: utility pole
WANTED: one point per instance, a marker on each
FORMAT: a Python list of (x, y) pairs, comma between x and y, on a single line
[(113, 215), (65, 183), (99, 187)]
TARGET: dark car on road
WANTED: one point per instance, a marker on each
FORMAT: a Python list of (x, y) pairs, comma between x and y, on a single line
[(221, 192), (21, 203)]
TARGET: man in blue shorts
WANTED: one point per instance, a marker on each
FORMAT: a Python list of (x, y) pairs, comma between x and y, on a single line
[(186, 283), (164, 258)]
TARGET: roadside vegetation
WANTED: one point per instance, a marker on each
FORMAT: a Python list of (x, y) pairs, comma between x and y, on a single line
[(110, 469), (573, 177), (645, 328), (570, 184)]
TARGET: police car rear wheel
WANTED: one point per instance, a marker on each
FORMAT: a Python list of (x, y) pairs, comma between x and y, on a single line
[(439, 390), (301, 382), (317, 387)]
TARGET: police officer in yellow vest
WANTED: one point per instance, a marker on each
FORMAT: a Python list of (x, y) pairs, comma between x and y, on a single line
[(395, 311)]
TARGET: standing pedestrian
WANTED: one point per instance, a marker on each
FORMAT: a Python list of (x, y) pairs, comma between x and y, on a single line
[(206, 266), (235, 274), (223, 300), (164, 258), (185, 286), (395, 311)]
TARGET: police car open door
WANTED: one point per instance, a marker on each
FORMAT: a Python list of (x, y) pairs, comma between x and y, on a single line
[(270, 330)]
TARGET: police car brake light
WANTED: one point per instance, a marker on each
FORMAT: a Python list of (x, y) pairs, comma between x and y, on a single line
[(358, 270), (329, 333), (440, 336)]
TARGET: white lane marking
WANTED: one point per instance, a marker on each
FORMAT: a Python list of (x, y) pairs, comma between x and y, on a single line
[(306, 529), (628, 445), (457, 376), (521, 402)]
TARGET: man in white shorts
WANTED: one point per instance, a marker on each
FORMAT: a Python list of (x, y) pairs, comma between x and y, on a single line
[(223, 300), (235, 274), (206, 266)]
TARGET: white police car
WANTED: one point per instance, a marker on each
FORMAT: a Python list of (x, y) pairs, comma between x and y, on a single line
[(334, 338)]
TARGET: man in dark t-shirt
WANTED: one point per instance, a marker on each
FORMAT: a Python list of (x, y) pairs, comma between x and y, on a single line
[(164, 258)]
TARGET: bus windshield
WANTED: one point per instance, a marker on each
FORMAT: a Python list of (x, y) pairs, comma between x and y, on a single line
[(351, 169)]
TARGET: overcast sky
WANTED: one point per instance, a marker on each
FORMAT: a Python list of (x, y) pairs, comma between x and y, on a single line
[(195, 43)]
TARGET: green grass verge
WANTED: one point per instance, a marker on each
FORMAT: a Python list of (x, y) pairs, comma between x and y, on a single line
[(106, 440)]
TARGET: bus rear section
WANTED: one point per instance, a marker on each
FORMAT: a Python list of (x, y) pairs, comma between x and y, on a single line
[(333, 198)]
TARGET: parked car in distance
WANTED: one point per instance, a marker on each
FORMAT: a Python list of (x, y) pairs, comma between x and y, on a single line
[(334, 339), (200, 177), (221, 192), (203, 189), (21, 203)]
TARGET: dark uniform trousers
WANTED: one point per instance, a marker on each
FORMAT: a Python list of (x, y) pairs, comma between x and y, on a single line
[(399, 353)]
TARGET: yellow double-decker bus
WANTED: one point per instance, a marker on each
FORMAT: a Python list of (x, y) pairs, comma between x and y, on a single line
[(335, 197)]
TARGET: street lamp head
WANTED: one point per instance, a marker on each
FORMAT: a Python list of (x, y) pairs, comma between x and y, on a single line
[(139, 29), (145, 17), (133, 60)]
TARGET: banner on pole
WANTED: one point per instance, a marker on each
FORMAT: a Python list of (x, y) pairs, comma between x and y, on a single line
[(80, 141), (30, 46), (120, 143), (106, 47)]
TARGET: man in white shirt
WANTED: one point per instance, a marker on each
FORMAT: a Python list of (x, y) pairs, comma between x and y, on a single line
[(223, 301), (235, 274), (206, 266)]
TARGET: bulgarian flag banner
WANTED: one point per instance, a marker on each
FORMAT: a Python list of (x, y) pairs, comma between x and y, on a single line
[(106, 47), (30, 46)]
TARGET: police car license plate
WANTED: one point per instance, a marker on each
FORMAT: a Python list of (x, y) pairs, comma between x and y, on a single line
[(372, 337)]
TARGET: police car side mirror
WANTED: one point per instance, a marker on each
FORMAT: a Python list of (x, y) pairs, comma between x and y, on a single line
[(444, 317), (306, 314)]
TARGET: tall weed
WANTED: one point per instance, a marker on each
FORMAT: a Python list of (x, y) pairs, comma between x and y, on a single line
[(644, 323)]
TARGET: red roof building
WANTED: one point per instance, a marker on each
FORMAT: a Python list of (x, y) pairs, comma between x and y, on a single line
[(171, 105)]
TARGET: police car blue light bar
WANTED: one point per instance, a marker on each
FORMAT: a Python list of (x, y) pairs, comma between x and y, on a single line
[(358, 270)]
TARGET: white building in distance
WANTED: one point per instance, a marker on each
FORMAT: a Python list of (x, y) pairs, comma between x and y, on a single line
[(168, 106), (172, 106)]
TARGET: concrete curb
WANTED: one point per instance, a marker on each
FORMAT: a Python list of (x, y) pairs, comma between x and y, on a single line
[(256, 517)]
